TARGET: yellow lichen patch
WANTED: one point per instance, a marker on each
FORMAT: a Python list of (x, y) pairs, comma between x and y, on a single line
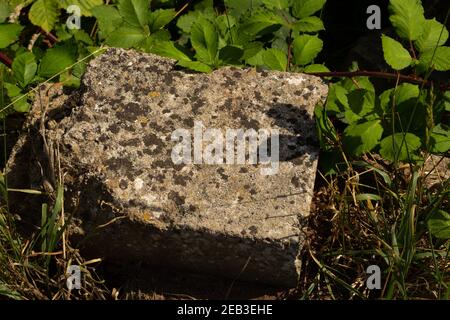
[(154, 94), (147, 217)]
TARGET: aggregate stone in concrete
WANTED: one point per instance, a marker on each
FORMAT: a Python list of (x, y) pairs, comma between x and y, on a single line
[(131, 200)]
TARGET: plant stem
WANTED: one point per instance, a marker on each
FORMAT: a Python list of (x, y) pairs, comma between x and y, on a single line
[(50, 36), (379, 74), (5, 59)]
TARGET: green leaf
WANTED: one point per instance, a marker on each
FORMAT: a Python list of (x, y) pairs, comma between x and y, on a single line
[(168, 49), (439, 224), (361, 138), (358, 83), (405, 92), (276, 4), (361, 102), (305, 8), (385, 99), (256, 60), (226, 26), (275, 59), (82, 36), (125, 37), (280, 39), (440, 138), (238, 7), (306, 48), (252, 48), (63, 33), (195, 65), (12, 90), (154, 40), (108, 19), (431, 36), (85, 6), (44, 14), (160, 18), (394, 53), (253, 52), (9, 33), (202, 9), (17, 97), (308, 24), (5, 11), (135, 12), (337, 98), (24, 68), (390, 146), (55, 60), (204, 39), (261, 22), (312, 68), (407, 18), (186, 20), (231, 54), (440, 62)]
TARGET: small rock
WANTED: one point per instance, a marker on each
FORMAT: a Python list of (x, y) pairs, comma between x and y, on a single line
[(154, 147)]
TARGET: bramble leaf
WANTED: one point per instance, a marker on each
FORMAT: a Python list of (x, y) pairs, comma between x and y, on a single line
[(125, 37), (438, 59), (390, 146), (261, 22), (85, 6), (439, 224), (108, 19), (440, 138), (361, 138), (395, 55), (55, 60), (159, 18), (204, 39), (275, 59), (434, 35), (306, 48), (24, 68), (9, 33), (407, 18), (134, 12), (309, 24), (305, 8), (44, 14)]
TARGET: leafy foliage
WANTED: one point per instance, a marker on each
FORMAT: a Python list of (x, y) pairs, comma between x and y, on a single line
[(401, 123), (281, 35), (404, 121), (394, 53)]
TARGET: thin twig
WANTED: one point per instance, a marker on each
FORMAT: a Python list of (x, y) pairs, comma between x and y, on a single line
[(5, 60), (380, 74), (53, 39)]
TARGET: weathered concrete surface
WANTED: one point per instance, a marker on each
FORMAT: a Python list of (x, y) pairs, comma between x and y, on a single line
[(114, 139)]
